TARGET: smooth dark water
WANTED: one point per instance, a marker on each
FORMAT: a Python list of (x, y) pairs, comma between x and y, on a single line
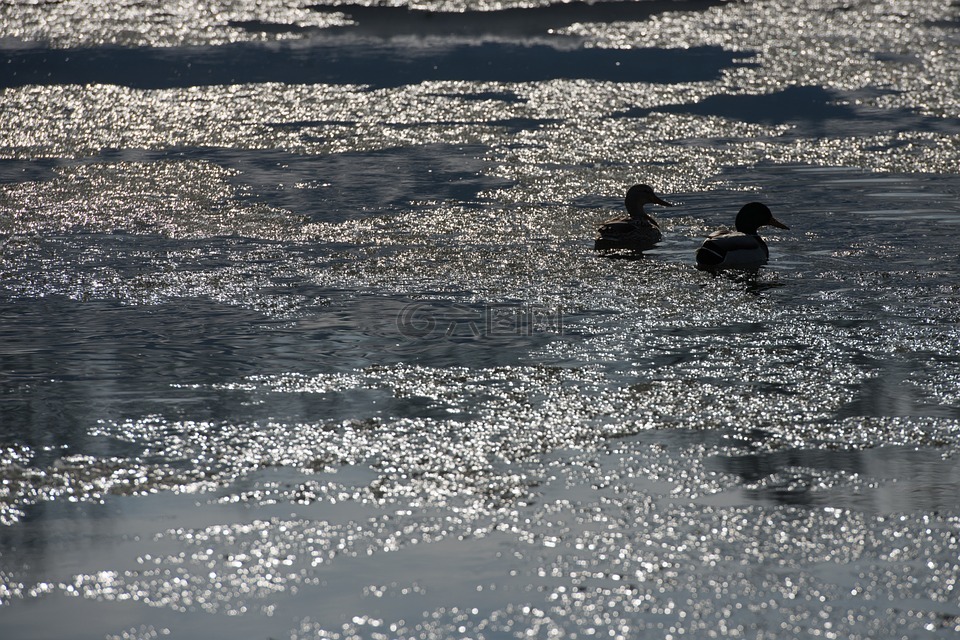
[(365, 62), (302, 334)]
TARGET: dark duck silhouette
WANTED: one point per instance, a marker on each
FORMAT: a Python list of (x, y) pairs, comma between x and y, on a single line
[(636, 231), (743, 248)]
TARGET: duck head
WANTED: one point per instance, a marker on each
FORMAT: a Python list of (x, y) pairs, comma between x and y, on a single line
[(639, 195), (755, 215)]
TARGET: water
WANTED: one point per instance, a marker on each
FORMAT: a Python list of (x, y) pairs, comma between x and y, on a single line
[(303, 335)]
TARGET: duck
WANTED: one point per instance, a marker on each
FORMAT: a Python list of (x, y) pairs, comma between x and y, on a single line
[(743, 248), (636, 231)]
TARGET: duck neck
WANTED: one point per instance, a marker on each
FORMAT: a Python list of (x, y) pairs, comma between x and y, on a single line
[(636, 211)]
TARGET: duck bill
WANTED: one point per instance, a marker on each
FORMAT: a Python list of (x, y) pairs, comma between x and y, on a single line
[(776, 223), (661, 202)]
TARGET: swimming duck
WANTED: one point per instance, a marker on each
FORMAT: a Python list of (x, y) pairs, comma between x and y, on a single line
[(742, 248), (638, 230)]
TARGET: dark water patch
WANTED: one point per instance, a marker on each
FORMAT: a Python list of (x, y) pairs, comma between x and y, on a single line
[(324, 188), (390, 21), (877, 480), (355, 62), (813, 110), (947, 23), (65, 364), (509, 97), (751, 468), (332, 188), (437, 332), (109, 530), (13, 170), (794, 103), (514, 125), (889, 393)]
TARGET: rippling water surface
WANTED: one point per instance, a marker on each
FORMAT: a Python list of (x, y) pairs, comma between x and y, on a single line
[(302, 334)]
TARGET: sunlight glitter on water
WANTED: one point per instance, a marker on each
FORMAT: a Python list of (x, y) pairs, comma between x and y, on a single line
[(83, 24), (302, 334)]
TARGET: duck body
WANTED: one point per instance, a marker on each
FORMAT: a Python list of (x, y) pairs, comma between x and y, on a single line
[(724, 249), (638, 230), (740, 249), (628, 233)]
